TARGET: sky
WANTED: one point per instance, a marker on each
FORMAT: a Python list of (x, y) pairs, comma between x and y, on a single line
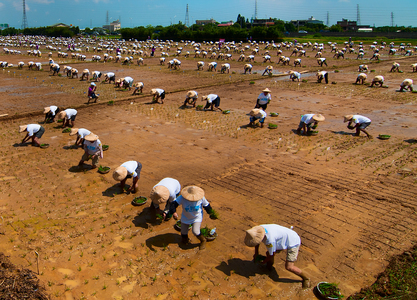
[(132, 13)]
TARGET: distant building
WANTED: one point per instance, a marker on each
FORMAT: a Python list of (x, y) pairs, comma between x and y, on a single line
[(60, 25), (348, 25), (113, 27), (263, 22), (225, 24), (310, 20), (204, 22)]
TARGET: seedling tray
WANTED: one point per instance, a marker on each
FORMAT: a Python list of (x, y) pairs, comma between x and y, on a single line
[(66, 130), (226, 112), (273, 114), (44, 146), (138, 201), (206, 233), (329, 291), (105, 147), (384, 137), (272, 126), (103, 170)]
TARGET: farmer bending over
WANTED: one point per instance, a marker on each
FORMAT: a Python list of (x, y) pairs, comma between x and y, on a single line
[(128, 169), (277, 238), (34, 131), (308, 121), (360, 122), (165, 191), (92, 149), (81, 134)]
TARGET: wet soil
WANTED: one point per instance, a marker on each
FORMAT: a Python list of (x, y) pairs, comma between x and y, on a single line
[(349, 198)]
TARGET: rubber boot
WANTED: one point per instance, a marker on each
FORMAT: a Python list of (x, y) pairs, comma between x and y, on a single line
[(184, 239), (306, 280), (203, 242)]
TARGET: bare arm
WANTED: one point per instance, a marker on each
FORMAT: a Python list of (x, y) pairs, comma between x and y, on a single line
[(25, 138)]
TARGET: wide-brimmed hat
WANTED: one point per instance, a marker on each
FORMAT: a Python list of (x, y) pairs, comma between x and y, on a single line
[(61, 114), (254, 236), (318, 117), (154, 92), (266, 90), (192, 193), (269, 67), (191, 94), (93, 84), (74, 131), (254, 112), (159, 194), (91, 137), (22, 128), (347, 118), (120, 173), (46, 110)]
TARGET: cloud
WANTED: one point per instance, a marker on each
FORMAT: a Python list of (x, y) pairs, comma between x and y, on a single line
[(44, 1), (18, 6), (98, 1), (1, 5)]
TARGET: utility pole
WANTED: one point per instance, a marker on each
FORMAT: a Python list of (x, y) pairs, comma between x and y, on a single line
[(358, 15), (24, 20), (187, 17)]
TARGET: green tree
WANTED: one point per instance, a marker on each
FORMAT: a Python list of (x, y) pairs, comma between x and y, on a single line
[(336, 28)]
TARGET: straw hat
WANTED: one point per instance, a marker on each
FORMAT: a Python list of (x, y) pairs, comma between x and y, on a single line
[(204, 98), (347, 118), (192, 193), (91, 137), (159, 194), (254, 112), (120, 173), (266, 90), (74, 131), (269, 67), (318, 118), (254, 236), (46, 110), (191, 94), (61, 114), (154, 92), (22, 128)]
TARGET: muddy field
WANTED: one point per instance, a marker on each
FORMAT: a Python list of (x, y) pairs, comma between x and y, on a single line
[(349, 198)]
